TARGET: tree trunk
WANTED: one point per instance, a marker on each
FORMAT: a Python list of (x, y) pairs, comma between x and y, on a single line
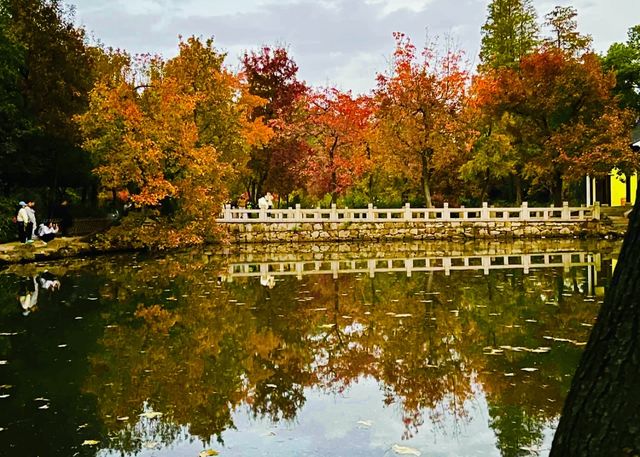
[(425, 180), (601, 415), (518, 185), (556, 189)]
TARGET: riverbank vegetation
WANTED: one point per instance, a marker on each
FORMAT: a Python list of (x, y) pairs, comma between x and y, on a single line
[(175, 138)]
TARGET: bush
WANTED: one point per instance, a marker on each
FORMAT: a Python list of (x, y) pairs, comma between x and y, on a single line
[(8, 209)]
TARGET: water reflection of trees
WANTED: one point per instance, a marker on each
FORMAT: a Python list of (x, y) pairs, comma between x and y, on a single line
[(180, 343)]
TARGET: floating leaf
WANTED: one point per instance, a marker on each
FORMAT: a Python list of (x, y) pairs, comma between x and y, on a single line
[(122, 418), (208, 452), (530, 369), (405, 450), (90, 442), (151, 415), (365, 424)]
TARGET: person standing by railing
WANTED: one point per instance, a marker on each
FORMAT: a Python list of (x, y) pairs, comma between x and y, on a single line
[(266, 202)]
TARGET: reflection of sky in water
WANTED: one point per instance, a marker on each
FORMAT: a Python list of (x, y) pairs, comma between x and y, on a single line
[(333, 425)]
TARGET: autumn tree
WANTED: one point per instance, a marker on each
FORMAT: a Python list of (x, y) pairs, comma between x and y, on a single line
[(509, 33), (271, 74), (337, 125), (564, 31), (419, 103), (148, 132), (624, 59), (568, 119)]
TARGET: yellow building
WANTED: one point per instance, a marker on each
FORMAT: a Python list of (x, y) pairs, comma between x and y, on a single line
[(618, 189), (623, 189)]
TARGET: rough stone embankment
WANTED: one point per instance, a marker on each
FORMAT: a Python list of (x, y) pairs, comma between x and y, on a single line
[(396, 231)]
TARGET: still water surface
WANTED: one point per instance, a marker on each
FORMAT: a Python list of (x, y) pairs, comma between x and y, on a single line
[(373, 352)]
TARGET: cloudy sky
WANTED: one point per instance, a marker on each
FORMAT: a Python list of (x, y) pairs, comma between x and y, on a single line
[(334, 42)]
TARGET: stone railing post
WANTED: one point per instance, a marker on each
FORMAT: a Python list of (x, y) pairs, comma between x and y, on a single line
[(407, 212), (298, 213), (263, 214), (524, 211), (566, 213), (370, 213), (446, 214), (333, 216), (226, 214), (484, 213), (596, 211)]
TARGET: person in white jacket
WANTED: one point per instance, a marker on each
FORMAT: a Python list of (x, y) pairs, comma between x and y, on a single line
[(22, 219)]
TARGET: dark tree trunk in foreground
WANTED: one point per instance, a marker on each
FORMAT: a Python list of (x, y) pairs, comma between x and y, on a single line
[(601, 415)]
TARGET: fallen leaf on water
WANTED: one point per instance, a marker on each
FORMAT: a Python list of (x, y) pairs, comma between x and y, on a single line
[(273, 386), (529, 369), (208, 452), (151, 415), (90, 442), (366, 423), (404, 315), (269, 434), (404, 450), (122, 418), (4, 396), (151, 444), (328, 326), (43, 407)]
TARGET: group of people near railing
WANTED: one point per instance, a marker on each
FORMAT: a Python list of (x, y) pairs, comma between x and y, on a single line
[(29, 230)]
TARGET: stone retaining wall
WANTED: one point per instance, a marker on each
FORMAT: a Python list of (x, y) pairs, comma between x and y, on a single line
[(395, 231)]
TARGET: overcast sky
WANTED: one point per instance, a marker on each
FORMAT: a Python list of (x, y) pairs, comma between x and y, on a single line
[(335, 42)]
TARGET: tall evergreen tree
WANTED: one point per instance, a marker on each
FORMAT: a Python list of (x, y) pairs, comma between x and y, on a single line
[(510, 32)]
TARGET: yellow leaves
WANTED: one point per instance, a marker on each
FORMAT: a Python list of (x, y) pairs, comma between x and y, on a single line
[(90, 442), (405, 450), (159, 319), (151, 415), (208, 452)]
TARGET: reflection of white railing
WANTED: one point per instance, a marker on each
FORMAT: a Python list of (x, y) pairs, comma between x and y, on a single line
[(486, 213), (485, 263)]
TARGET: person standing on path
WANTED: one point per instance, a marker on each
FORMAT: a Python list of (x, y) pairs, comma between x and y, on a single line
[(31, 225), (22, 219)]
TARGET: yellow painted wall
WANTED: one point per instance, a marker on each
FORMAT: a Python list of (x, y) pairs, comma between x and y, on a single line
[(619, 189)]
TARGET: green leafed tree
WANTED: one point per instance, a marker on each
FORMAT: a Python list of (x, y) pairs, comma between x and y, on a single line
[(49, 70), (509, 33), (624, 59)]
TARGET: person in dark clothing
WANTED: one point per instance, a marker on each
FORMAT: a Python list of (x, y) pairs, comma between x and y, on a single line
[(66, 219)]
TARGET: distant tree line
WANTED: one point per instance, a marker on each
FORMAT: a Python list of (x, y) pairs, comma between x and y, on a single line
[(178, 137)]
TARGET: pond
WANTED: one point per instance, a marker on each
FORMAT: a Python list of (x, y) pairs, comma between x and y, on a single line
[(342, 350)]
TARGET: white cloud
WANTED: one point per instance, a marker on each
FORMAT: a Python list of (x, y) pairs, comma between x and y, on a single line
[(344, 42)]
